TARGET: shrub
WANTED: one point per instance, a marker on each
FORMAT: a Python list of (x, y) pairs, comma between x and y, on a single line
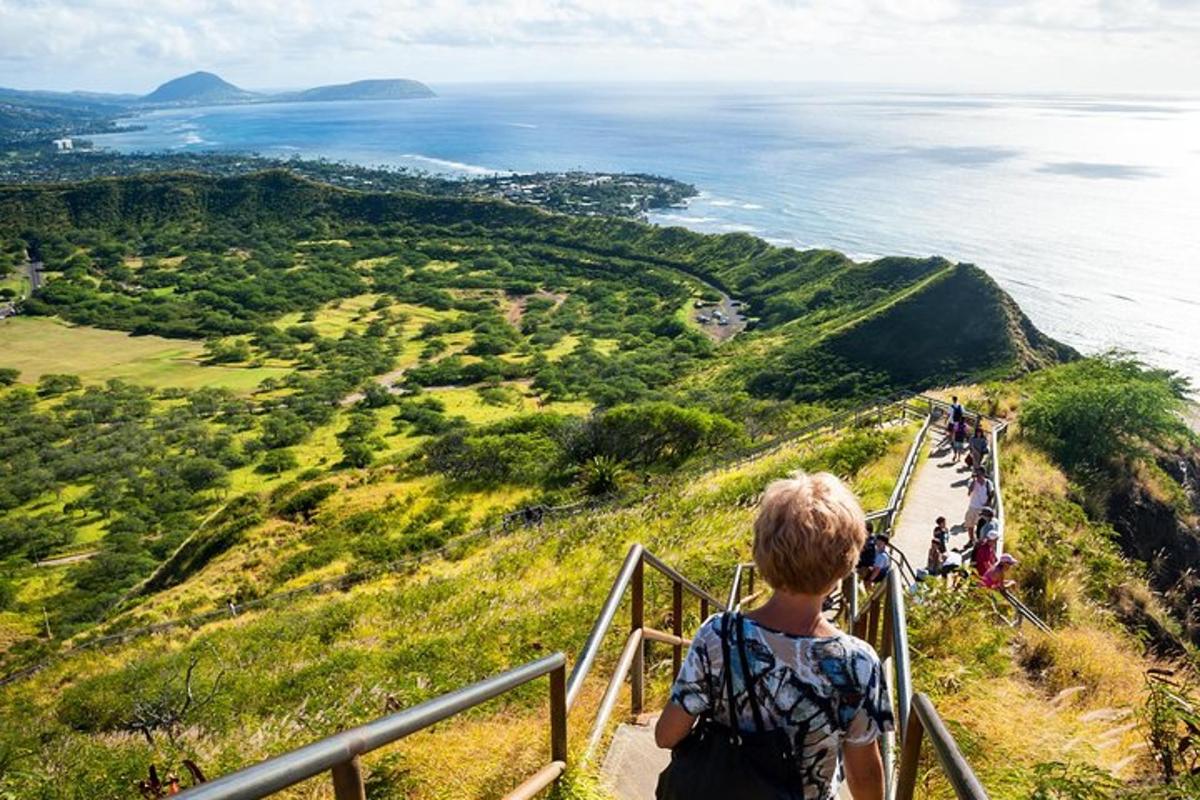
[(658, 433), (51, 385), (303, 504), (276, 462), (1092, 412), (9, 376)]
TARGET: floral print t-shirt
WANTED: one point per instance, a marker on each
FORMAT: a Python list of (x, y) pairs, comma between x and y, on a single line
[(824, 691)]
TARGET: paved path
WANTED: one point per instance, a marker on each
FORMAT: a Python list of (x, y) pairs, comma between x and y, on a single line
[(939, 489), (71, 559), (633, 762)]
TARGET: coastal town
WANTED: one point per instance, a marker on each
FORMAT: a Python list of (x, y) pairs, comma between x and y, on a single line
[(570, 192)]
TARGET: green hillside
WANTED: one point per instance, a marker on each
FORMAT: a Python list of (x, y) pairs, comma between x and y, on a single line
[(231, 389)]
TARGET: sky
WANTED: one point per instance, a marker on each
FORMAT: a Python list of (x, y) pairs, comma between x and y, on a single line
[(988, 45)]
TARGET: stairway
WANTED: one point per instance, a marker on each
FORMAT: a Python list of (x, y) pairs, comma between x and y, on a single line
[(633, 763)]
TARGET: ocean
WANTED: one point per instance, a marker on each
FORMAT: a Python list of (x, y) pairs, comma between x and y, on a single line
[(1086, 208)]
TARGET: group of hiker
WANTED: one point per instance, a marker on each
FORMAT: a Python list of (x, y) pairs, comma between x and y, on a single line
[(777, 702), (979, 521)]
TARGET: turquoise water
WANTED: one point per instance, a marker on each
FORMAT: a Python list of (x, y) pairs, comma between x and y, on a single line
[(1086, 208)]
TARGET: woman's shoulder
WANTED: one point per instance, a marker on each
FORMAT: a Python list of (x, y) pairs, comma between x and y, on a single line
[(848, 663), (711, 628), (849, 649)]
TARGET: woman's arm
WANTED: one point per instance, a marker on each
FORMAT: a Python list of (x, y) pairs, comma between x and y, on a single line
[(864, 770), (673, 725)]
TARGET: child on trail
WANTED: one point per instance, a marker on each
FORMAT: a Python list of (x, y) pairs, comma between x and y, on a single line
[(941, 533), (996, 577), (936, 557)]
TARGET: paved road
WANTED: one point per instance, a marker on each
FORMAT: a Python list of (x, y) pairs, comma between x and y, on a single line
[(63, 560), (35, 269)]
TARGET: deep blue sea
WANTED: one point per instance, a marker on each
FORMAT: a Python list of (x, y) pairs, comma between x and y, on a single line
[(1085, 208)]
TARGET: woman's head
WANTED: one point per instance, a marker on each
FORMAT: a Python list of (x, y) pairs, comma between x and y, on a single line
[(808, 534)]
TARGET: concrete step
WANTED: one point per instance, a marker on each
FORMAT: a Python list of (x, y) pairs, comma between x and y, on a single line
[(633, 762)]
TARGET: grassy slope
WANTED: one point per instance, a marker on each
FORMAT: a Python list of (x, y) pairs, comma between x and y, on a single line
[(37, 346), (313, 666), (316, 665)]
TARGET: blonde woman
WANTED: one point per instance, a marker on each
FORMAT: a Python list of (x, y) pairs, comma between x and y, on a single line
[(803, 703)]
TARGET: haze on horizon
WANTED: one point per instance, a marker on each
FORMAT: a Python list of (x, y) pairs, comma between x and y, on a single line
[(988, 45)]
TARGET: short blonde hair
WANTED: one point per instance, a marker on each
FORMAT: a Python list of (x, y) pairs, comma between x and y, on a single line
[(808, 533)]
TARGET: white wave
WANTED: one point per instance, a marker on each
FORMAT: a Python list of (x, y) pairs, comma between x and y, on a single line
[(457, 166), (520, 125), (683, 219), (722, 202)]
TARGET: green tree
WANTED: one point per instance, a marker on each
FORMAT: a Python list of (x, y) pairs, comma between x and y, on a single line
[(1090, 413), (52, 385), (275, 462)]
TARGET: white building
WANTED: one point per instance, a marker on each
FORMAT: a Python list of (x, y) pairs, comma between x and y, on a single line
[(63, 144)]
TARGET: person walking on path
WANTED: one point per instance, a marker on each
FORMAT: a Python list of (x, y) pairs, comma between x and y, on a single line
[(978, 445), (782, 683), (936, 556), (957, 412), (959, 440), (980, 492)]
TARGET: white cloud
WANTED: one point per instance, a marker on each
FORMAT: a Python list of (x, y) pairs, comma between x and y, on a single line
[(132, 45)]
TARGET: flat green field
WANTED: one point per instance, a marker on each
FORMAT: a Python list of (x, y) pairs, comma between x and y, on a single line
[(38, 345)]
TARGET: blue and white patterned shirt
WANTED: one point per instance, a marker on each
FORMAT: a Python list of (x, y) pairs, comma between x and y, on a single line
[(824, 691)]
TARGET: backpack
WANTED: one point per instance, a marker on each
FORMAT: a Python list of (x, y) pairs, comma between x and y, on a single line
[(956, 412), (718, 762), (866, 557)]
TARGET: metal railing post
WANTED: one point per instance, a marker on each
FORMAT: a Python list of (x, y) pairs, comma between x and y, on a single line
[(347, 781), (676, 625), (703, 609), (558, 714), (637, 674), (850, 599), (910, 758), (872, 636), (885, 648)]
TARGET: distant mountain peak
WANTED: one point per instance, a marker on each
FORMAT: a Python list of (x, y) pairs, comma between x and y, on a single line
[(372, 89), (197, 87)]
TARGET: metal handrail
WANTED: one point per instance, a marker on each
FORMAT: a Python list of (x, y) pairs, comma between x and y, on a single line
[(926, 722), (1025, 612), (744, 572), (901, 659), (608, 612), (339, 753)]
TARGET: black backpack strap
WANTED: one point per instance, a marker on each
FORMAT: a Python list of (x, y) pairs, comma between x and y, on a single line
[(748, 675), (727, 671)]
